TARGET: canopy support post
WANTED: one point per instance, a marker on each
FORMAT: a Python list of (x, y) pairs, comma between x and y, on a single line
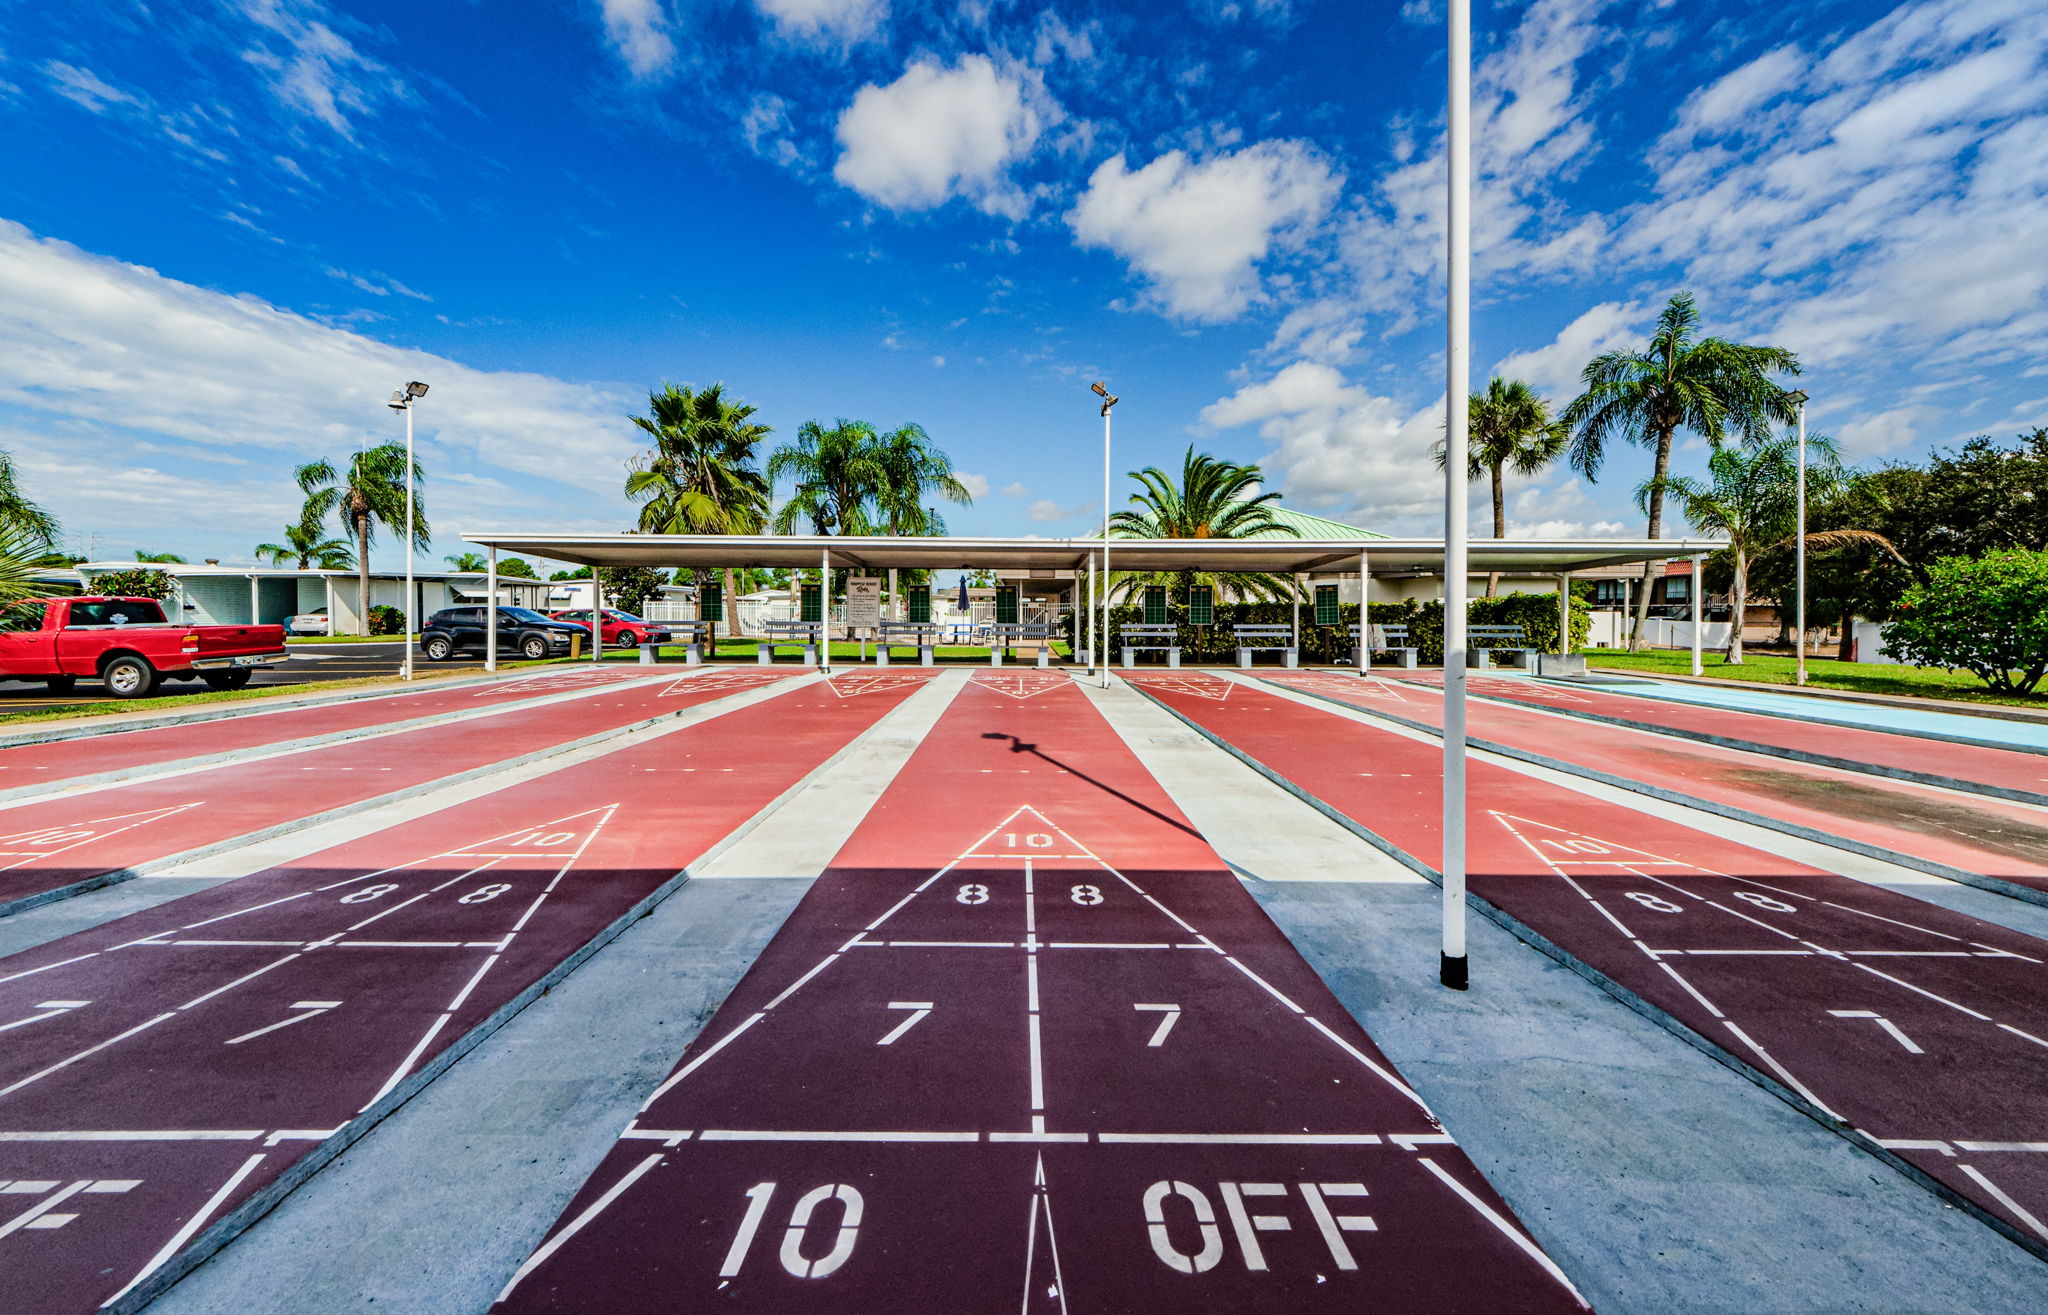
[(490, 609)]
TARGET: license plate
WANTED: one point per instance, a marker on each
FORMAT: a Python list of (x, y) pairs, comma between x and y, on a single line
[(248, 662)]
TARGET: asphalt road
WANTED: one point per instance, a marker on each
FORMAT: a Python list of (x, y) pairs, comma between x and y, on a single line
[(309, 664)]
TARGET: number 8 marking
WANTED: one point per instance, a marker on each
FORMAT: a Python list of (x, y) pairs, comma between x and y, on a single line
[(1657, 902), (972, 893), (368, 893), (483, 894), (1086, 895)]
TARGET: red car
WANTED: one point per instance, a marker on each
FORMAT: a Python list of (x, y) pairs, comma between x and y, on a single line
[(621, 629), (128, 644)]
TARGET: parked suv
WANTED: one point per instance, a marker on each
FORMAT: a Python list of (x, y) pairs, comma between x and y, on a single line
[(521, 631), (621, 629)]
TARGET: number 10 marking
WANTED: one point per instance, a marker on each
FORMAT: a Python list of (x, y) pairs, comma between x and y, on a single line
[(793, 1258)]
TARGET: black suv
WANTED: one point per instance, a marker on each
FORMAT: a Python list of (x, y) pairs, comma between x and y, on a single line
[(521, 631)]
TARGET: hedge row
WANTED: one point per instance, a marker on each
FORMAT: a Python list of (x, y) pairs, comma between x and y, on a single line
[(1330, 645)]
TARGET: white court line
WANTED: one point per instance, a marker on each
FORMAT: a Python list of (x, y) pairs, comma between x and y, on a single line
[(43, 1207), (553, 1244), (1513, 1234), (192, 1226), (1361, 1057), (1240, 1139), (30, 972), (2004, 1200), (64, 1063), (1997, 1145), (691, 1067), (405, 1066), (301, 1016), (1270, 988), (140, 1134), (1897, 981), (757, 1134), (1691, 990), (1783, 1073), (237, 982)]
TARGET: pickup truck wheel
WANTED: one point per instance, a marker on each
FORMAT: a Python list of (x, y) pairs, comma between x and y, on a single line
[(129, 678), (438, 648), (226, 679), (60, 684), (533, 648)]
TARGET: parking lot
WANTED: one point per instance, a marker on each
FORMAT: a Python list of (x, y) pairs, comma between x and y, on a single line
[(309, 664)]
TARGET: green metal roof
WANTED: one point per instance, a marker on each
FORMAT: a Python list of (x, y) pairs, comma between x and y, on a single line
[(1312, 527)]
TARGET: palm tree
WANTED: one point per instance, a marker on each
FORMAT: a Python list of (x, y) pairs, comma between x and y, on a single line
[(1508, 425), (912, 467), (367, 492), (26, 526), (836, 475), (306, 542), (21, 549), (1708, 385), (1214, 499), (467, 561), (1751, 497), (700, 476), (161, 558)]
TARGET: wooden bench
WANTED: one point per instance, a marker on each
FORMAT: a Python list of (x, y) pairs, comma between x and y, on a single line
[(1482, 642), (1390, 639), (788, 634), (1253, 640), (920, 635), (1153, 639), (1005, 635), (693, 635)]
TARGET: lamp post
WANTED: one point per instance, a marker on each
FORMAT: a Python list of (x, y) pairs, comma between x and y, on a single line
[(1107, 402), (402, 400), (1799, 547), (1452, 969)]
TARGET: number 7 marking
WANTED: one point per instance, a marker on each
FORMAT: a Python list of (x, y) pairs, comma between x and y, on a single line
[(1172, 1013), (922, 1007)]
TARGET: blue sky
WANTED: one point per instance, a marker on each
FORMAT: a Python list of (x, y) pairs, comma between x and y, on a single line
[(229, 227)]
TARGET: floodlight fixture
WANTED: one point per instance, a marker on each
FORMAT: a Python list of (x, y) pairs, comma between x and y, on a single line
[(1103, 393), (1797, 397), (415, 389), (399, 401)]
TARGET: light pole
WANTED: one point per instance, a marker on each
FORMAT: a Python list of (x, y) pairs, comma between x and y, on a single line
[(402, 400), (1452, 970), (1799, 547), (1107, 402)]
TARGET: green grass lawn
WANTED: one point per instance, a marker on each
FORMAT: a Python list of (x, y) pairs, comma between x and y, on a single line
[(1824, 673)]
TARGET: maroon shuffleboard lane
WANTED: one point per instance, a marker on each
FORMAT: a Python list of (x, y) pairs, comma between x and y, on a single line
[(54, 847), (258, 727), (1988, 842), (165, 1077), (1029, 1045), (1924, 1030), (2007, 773)]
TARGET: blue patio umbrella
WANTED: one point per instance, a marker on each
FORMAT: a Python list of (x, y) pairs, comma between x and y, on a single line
[(962, 602)]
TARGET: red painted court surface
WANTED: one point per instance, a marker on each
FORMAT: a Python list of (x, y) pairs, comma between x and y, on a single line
[(159, 1072), (1967, 766), (75, 843), (58, 760), (1924, 1029), (1942, 830), (1028, 1045)]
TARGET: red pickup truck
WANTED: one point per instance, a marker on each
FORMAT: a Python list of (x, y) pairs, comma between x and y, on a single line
[(128, 644)]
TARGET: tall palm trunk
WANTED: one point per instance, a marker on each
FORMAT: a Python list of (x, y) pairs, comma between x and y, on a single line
[(362, 520), (1739, 597), (1500, 526), (1658, 474), (733, 630)]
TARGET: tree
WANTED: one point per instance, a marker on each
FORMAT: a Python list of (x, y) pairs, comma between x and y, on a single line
[(1680, 381), (1986, 615), (632, 586), (369, 491), (138, 583), (700, 476), (1968, 501), (467, 561), (836, 474), (1213, 499), (1751, 498), (1508, 425), (26, 530), (518, 568), (307, 543), (161, 558), (911, 468), (21, 550)]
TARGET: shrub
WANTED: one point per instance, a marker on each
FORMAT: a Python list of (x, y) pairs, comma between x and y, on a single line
[(1985, 615), (386, 620), (138, 583)]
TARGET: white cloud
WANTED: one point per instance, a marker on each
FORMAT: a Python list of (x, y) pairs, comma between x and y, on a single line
[(940, 132), (1198, 231), (83, 87), (976, 485), (843, 22), (638, 33), (1884, 433), (1553, 369), (1045, 511), (102, 360), (1340, 450), (1016, 489), (1564, 511), (314, 71), (770, 134)]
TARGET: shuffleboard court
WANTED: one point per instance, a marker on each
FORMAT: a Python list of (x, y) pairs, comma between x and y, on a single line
[(1923, 1030), (1929, 722), (1994, 843), (165, 1077), (1028, 1045), (53, 762), (2006, 773), (56, 847)]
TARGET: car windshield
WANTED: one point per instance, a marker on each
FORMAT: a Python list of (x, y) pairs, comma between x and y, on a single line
[(520, 614), (620, 616)]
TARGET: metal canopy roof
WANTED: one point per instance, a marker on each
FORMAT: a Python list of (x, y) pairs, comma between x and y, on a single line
[(1387, 557)]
